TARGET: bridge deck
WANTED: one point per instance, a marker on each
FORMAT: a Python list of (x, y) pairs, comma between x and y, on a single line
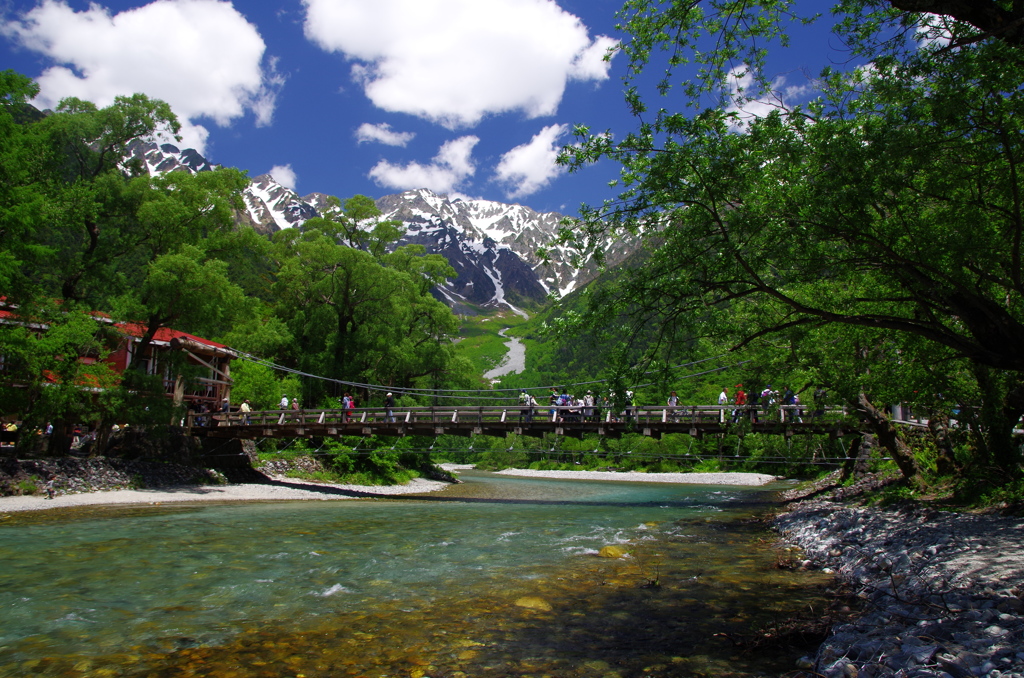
[(468, 421)]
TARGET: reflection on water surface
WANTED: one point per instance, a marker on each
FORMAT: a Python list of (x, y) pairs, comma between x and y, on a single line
[(495, 577)]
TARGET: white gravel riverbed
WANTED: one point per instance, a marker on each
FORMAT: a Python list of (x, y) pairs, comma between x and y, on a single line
[(747, 479), (281, 489), (290, 489)]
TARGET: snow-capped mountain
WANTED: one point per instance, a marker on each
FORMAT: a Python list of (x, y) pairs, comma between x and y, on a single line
[(268, 202), (491, 245), (269, 206), (167, 157)]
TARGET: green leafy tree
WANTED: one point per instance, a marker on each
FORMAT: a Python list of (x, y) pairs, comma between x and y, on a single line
[(81, 224), (360, 309), (891, 203)]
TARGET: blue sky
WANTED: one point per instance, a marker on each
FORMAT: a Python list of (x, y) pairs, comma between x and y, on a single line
[(345, 97)]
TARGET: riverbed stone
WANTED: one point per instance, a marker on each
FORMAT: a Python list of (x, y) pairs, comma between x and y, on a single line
[(940, 591), (612, 551), (534, 603)]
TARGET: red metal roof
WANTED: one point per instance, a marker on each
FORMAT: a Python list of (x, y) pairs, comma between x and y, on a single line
[(164, 334)]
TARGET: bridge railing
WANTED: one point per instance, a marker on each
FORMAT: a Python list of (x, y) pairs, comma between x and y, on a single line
[(511, 415)]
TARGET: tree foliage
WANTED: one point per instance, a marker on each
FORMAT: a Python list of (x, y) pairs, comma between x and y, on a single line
[(84, 229), (889, 205)]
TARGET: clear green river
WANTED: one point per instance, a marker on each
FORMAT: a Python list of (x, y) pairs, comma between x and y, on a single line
[(499, 576)]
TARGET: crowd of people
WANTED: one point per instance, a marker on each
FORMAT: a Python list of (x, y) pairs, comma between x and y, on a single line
[(566, 407)]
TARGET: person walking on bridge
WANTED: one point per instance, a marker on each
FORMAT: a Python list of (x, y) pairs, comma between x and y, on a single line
[(741, 403), (525, 410), (389, 407)]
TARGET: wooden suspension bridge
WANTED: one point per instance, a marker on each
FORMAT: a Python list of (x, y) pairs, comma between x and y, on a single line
[(697, 421)]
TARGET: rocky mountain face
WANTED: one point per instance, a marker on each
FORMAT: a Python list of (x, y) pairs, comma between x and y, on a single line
[(491, 245)]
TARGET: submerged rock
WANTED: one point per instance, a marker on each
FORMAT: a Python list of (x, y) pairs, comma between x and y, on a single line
[(534, 603), (612, 552)]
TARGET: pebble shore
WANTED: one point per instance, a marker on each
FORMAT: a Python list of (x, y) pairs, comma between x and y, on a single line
[(941, 593)]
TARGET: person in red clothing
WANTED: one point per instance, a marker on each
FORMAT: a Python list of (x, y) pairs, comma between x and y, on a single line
[(740, 402)]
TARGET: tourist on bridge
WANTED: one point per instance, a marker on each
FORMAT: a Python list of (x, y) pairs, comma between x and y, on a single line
[(673, 403), (245, 409), (588, 406), (284, 402), (819, 403), (389, 407), (526, 409), (346, 405), (741, 403), (723, 397), (561, 402)]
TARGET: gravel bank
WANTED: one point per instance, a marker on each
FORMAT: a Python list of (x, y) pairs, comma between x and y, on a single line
[(941, 592), (278, 489), (749, 479), (281, 488)]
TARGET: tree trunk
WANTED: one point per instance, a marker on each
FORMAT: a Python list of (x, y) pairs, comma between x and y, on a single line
[(938, 426), (853, 453), (888, 437)]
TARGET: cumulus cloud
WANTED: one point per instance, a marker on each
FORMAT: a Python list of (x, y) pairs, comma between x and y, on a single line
[(200, 56), (749, 104), (452, 165), (383, 134), (454, 61), (529, 167), (284, 175)]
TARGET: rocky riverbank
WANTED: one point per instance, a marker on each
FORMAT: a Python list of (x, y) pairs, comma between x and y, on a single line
[(72, 475), (939, 593)]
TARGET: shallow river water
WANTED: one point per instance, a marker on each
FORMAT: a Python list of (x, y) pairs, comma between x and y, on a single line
[(498, 576)]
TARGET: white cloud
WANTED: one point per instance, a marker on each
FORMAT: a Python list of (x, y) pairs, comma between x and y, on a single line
[(284, 175), (452, 165), (383, 134), (933, 32), (454, 61), (529, 167), (750, 104), (200, 56)]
